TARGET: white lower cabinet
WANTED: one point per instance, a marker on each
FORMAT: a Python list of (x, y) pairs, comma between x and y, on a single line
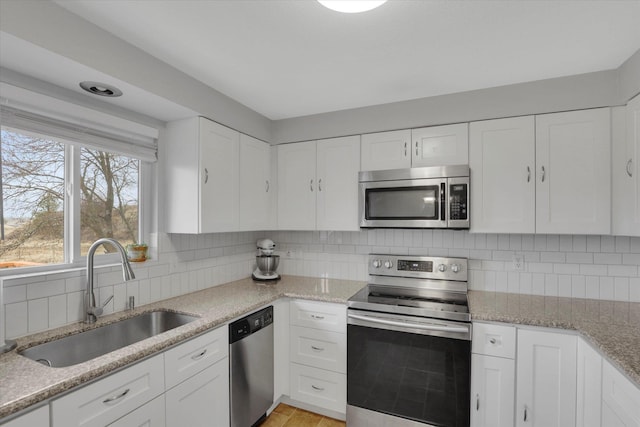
[(546, 379), (589, 386), (148, 415), (36, 418), (318, 343), (620, 399), (281, 348), (202, 400), (492, 375)]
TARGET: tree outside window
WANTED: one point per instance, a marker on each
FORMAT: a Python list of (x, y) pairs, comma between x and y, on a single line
[(34, 195)]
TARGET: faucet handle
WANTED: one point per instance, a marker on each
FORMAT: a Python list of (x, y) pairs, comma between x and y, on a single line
[(97, 311), (106, 302)]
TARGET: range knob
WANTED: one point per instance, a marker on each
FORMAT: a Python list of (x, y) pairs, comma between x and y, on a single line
[(442, 268), (377, 263), (388, 264), (455, 268)]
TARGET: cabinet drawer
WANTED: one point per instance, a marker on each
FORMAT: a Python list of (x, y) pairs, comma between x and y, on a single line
[(494, 340), (620, 395), (193, 356), (319, 387), (108, 399), (318, 348), (148, 415), (319, 315), (36, 418)]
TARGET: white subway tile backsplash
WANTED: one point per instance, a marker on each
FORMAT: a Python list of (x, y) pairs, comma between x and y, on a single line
[(579, 258), (593, 243), (579, 243), (634, 289), (622, 270), (592, 286), (607, 258), (607, 244), (15, 294), (621, 288), (38, 313), (623, 244), (16, 319), (606, 288), (578, 286), (57, 311), (45, 289), (565, 287)]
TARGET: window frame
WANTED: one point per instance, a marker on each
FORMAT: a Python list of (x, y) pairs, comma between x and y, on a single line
[(71, 245)]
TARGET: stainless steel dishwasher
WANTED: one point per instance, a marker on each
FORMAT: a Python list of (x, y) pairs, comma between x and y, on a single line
[(251, 373)]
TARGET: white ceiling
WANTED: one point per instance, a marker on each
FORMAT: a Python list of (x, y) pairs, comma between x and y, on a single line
[(287, 58)]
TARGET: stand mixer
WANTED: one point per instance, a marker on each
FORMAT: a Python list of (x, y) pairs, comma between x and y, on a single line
[(266, 261)]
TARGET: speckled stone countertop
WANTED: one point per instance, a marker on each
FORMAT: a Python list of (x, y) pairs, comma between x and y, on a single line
[(610, 326), (24, 382)]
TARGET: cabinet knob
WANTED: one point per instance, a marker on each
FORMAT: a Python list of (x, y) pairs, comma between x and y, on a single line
[(629, 168), (493, 341)]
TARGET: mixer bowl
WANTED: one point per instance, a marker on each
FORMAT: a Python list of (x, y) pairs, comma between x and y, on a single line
[(267, 264)]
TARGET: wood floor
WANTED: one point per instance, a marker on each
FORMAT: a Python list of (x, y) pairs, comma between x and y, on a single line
[(288, 416)]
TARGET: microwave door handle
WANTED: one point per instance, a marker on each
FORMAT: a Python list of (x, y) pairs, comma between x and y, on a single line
[(443, 203)]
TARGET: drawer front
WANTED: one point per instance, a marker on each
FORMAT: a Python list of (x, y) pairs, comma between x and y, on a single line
[(108, 399), (36, 418), (494, 340), (319, 315), (318, 387), (193, 356), (318, 348), (148, 415)]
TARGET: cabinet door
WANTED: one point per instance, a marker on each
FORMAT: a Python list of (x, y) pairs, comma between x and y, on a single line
[(337, 175), (546, 379), (280, 348), (202, 400), (620, 399), (148, 415), (589, 388), (297, 186), (256, 187), (386, 150), (492, 391), (502, 162), (219, 168), (573, 189), (440, 145), (36, 418), (626, 169)]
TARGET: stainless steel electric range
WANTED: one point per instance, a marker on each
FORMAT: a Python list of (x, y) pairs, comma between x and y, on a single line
[(409, 344)]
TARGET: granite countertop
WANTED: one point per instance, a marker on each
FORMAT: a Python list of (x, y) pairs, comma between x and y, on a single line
[(613, 327), (24, 382)]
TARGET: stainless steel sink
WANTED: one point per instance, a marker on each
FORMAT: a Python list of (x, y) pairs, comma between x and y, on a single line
[(87, 345)]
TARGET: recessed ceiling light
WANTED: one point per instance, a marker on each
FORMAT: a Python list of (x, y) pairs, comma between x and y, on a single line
[(351, 6), (101, 89)]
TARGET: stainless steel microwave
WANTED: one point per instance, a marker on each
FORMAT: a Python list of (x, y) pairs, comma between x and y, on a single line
[(427, 197)]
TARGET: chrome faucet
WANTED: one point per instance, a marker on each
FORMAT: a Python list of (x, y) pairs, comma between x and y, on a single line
[(91, 310)]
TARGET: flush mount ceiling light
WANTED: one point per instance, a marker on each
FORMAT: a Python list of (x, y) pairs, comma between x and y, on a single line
[(351, 6), (101, 89)]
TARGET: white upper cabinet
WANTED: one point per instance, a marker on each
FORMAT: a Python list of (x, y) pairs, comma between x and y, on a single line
[(202, 177), (626, 169), (297, 186), (256, 186), (318, 184), (573, 172), (386, 150), (502, 163), (337, 174), (440, 145)]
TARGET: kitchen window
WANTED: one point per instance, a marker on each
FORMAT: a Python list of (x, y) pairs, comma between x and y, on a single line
[(60, 194)]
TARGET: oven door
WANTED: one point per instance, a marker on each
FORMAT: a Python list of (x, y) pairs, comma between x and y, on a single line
[(414, 368), (415, 203)]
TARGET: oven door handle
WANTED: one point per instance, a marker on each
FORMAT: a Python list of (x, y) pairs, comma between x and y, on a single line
[(435, 328)]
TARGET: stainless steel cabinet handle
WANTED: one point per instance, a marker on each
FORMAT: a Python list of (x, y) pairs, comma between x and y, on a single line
[(525, 414), (544, 173), (416, 148), (267, 181), (320, 184), (629, 170), (113, 399), (317, 348), (528, 174), (405, 149), (311, 185), (477, 402), (206, 175), (199, 355), (492, 341), (317, 388), (315, 316)]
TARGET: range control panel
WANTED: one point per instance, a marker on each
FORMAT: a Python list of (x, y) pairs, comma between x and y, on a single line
[(422, 267)]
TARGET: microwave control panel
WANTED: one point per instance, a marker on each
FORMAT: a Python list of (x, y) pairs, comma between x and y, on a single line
[(458, 196)]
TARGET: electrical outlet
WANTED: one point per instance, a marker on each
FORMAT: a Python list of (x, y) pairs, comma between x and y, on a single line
[(518, 262)]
